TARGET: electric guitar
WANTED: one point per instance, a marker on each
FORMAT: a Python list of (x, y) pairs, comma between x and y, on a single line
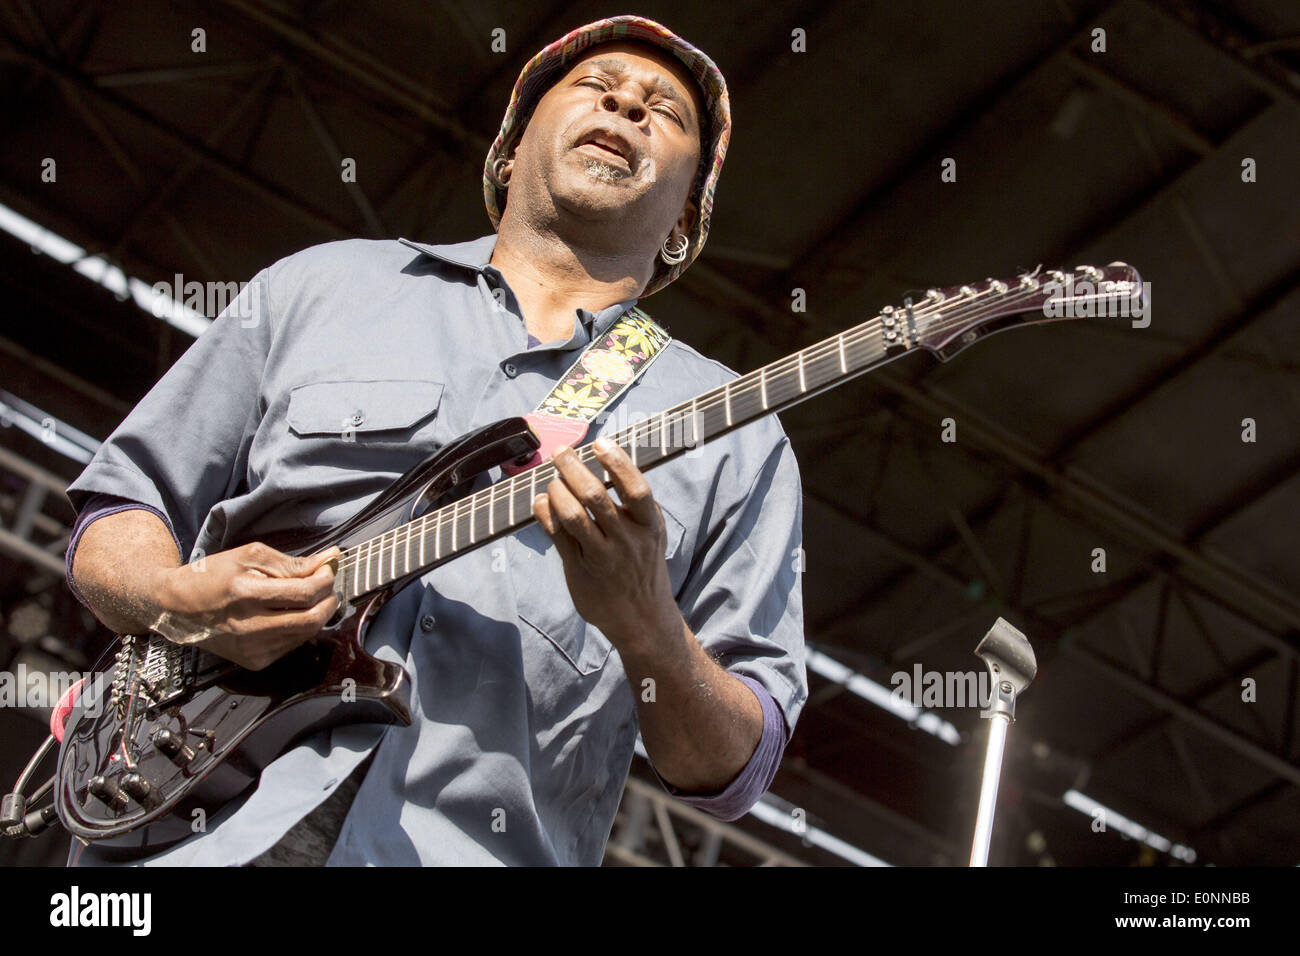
[(177, 729)]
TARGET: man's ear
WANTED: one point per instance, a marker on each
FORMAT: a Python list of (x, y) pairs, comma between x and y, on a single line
[(686, 221), (507, 168)]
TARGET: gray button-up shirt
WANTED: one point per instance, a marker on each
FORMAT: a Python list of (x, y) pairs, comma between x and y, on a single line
[(335, 371)]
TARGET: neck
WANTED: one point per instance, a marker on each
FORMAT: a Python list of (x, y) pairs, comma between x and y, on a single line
[(551, 277)]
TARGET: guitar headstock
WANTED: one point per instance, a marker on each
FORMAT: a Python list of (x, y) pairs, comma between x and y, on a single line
[(947, 320)]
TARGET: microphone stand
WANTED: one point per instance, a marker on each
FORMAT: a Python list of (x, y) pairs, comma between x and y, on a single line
[(1011, 664)]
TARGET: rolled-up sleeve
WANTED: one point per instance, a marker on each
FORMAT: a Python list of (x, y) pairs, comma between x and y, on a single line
[(744, 602), (101, 506), (184, 447)]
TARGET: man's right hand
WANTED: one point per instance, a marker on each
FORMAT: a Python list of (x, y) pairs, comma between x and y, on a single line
[(251, 604)]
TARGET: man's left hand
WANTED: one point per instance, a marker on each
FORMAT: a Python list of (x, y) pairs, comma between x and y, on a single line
[(613, 556)]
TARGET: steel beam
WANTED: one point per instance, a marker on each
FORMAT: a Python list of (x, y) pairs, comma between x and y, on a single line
[(272, 194), (1085, 497), (811, 264), (368, 72), (1252, 751)]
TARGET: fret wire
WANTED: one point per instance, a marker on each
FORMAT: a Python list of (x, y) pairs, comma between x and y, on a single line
[(663, 434), (454, 530), (726, 390), (437, 535), (423, 521), (803, 385), (392, 557), (762, 384), (843, 366)]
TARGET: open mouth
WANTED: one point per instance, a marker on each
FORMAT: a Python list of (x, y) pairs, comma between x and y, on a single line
[(607, 147)]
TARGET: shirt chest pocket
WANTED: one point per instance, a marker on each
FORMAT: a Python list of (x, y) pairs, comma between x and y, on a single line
[(365, 411), (542, 594)]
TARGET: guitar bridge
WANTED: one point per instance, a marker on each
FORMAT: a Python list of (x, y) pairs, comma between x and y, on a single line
[(151, 669)]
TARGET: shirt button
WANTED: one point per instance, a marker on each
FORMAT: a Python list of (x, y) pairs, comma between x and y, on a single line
[(509, 369), (426, 623), (357, 417)]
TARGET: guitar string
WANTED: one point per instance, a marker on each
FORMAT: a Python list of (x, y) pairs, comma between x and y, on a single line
[(502, 491)]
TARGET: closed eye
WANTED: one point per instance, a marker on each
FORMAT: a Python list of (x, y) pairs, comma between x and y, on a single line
[(671, 114)]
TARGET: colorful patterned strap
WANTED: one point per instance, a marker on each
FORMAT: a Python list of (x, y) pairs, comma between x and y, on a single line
[(604, 370)]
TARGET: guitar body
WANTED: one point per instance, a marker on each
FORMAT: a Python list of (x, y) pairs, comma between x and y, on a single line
[(176, 730)]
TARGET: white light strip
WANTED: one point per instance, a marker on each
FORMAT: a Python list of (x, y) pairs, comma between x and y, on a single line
[(99, 270), (59, 436), (882, 697), (1134, 831), (767, 811), (786, 821)]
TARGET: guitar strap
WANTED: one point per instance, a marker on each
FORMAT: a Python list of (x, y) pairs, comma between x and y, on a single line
[(603, 371)]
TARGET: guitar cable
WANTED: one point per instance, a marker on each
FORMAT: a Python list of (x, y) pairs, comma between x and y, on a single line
[(15, 821)]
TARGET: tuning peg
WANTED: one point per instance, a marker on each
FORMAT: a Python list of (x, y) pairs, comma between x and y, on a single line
[(1092, 272)]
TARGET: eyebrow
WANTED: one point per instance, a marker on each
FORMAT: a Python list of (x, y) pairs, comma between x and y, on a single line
[(615, 67)]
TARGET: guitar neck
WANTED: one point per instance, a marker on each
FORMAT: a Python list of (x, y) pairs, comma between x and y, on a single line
[(507, 505), (945, 321)]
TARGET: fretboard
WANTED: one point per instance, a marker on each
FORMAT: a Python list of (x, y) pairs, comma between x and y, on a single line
[(507, 505)]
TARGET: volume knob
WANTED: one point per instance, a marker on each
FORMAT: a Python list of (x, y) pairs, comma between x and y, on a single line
[(173, 746), (106, 790), (137, 788)]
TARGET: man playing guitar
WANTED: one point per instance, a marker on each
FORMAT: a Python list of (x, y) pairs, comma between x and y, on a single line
[(674, 610)]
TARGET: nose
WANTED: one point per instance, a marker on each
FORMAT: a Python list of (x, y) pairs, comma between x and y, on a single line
[(622, 100)]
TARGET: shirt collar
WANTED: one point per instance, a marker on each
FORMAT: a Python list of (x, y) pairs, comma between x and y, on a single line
[(476, 255)]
